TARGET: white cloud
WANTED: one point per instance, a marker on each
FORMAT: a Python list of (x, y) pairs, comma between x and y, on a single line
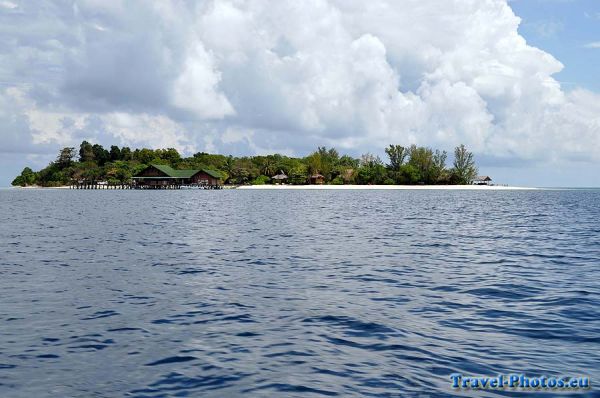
[(196, 88), (257, 75), (8, 4), (25, 127), (148, 130), (595, 44)]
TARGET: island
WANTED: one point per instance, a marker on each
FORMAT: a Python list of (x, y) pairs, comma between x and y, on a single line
[(94, 166)]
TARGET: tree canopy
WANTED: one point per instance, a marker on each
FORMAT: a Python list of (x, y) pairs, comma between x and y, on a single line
[(464, 169), (406, 165)]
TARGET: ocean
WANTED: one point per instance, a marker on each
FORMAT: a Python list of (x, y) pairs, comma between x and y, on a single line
[(294, 293)]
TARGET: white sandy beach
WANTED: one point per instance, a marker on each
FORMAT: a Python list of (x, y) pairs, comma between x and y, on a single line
[(39, 187), (389, 187)]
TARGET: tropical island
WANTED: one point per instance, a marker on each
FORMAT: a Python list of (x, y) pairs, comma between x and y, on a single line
[(406, 165)]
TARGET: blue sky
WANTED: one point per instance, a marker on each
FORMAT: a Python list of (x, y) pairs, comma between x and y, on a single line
[(564, 28), (251, 77)]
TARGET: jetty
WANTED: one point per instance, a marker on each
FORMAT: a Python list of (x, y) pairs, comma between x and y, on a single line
[(98, 185)]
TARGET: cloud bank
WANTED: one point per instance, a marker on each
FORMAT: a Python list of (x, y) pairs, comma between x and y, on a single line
[(254, 76)]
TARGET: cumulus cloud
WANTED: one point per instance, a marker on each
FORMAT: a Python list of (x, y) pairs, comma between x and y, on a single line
[(258, 75), (195, 90)]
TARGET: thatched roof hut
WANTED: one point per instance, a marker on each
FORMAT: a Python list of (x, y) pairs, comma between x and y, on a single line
[(280, 177), (317, 179), (482, 180)]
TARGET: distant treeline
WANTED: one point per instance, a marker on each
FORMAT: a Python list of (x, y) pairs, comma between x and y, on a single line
[(405, 165)]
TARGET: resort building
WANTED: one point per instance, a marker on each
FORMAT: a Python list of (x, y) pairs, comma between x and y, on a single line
[(162, 176), (317, 179), (482, 180), (280, 178)]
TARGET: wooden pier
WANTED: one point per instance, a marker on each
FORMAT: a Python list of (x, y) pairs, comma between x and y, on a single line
[(95, 185), (175, 186)]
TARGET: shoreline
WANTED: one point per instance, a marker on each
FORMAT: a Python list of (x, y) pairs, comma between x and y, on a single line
[(388, 187), (326, 187), (39, 187)]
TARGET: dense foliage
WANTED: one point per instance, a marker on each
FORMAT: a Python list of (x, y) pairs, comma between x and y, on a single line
[(407, 165)]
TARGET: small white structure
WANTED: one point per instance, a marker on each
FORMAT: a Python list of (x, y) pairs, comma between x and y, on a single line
[(482, 180)]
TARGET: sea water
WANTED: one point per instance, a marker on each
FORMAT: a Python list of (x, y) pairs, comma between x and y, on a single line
[(294, 293)]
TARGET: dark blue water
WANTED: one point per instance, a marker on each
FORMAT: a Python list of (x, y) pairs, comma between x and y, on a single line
[(293, 293)]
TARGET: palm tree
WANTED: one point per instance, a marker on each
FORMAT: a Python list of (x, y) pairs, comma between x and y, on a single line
[(314, 162), (229, 165), (268, 167)]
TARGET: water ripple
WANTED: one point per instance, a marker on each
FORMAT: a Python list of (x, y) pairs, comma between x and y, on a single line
[(291, 293)]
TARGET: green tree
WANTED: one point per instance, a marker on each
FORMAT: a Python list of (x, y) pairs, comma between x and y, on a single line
[(464, 170), (346, 162), (314, 163), (329, 161), (212, 161), (397, 155), (421, 158), (371, 170), (261, 180), (285, 164), (92, 174), (101, 155), (409, 174), (65, 157), (144, 155), (268, 166), (53, 175), (169, 155), (86, 152), (126, 153), (229, 165), (439, 166), (18, 182), (323, 161), (244, 171), (28, 177), (298, 174), (115, 153), (123, 175)]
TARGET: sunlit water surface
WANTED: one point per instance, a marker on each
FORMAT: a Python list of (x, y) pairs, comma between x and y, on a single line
[(293, 293)]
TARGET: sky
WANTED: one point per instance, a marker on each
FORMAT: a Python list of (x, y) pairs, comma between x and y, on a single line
[(515, 81)]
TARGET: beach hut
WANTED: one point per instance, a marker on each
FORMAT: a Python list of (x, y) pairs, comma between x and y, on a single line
[(482, 180), (280, 178), (317, 179)]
